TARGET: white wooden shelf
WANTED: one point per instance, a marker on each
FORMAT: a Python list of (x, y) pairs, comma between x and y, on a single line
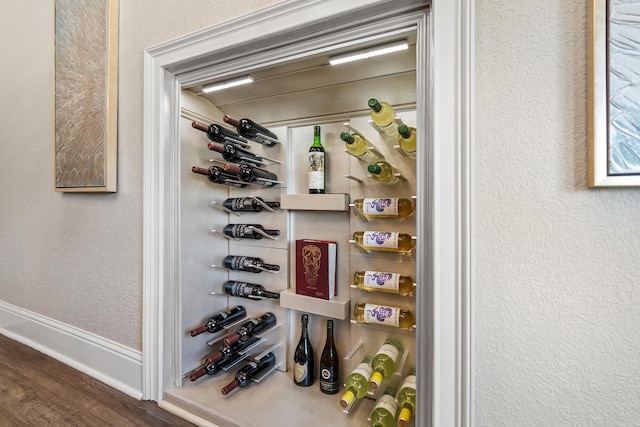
[(337, 307), (315, 202)]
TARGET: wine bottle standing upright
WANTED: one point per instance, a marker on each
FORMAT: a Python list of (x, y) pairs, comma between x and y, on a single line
[(385, 410), (385, 362), (329, 364), (316, 164), (249, 371), (303, 358), (406, 398)]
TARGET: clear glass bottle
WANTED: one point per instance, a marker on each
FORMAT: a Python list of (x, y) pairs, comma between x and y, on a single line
[(357, 146), (386, 241), (384, 281), (384, 315), (383, 115), (407, 140), (385, 207), (406, 398), (385, 362), (383, 173), (385, 410), (357, 383)]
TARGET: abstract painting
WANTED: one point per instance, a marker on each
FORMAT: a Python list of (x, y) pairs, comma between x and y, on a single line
[(86, 89)]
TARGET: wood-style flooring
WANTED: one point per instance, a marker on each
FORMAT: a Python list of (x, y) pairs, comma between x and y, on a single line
[(37, 390)]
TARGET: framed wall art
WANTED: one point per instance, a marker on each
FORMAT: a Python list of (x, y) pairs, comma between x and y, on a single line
[(614, 98), (86, 91)]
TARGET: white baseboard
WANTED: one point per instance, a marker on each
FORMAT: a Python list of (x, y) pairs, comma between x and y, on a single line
[(114, 364)]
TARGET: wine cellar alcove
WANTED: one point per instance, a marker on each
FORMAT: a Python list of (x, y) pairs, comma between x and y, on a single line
[(294, 89)]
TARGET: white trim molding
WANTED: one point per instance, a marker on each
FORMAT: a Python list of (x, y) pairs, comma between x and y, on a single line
[(114, 364)]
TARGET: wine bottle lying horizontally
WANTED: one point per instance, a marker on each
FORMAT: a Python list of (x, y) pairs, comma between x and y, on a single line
[(384, 315), (248, 231), (249, 371), (248, 290), (387, 241), (218, 321), (385, 410), (252, 130), (218, 133), (227, 351), (215, 367), (385, 207), (218, 175), (248, 263), (406, 398), (357, 383), (248, 204), (251, 174), (249, 329), (233, 153), (384, 281)]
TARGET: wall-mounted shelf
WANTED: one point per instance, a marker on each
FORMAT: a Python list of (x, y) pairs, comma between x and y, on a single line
[(315, 202), (337, 307)]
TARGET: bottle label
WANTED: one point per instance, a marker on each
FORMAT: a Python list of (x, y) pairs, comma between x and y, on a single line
[(316, 170), (381, 314), (240, 289), (241, 203), (390, 351), (299, 372), (364, 369), (328, 381), (409, 381), (382, 280), (241, 230), (238, 262), (368, 157), (380, 239), (389, 403), (386, 206)]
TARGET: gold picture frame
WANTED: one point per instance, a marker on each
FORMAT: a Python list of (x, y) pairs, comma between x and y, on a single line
[(86, 95)]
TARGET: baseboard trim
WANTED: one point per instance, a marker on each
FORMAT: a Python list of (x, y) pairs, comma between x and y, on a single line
[(114, 364)]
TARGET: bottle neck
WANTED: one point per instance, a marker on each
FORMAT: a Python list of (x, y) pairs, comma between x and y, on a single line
[(316, 137)]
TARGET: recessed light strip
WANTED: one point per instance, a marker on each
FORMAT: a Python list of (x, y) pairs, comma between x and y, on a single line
[(368, 53), (227, 84)]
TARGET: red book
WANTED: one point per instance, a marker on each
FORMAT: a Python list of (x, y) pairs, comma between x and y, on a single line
[(316, 268)]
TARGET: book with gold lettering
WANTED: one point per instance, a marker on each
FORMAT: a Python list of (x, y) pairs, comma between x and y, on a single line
[(316, 268)]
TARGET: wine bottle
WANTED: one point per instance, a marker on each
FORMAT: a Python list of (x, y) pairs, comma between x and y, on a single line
[(215, 367), (388, 241), (248, 329), (329, 364), (252, 130), (303, 358), (217, 175), (227, 351), (233, 153), (384, 315), (248, 290), (218, 133), (248, 231), (407, 140), (385, 362), (248, 204), (357, 146), (218, 321), (385, 207), (384, 281), (248, 263), (357, 383), (383, 172), (316, 164), (250, 370), (251, 174), (385, 410), (406, 398), (383, 115)]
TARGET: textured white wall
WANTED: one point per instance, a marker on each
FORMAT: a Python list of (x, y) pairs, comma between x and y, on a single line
[(77, 258), (557, 272)]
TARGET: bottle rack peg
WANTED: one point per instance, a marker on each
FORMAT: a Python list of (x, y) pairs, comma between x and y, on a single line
[(262, 233), (219, 206), (358, 212), (357, 245), (397, 119), (273, 368), (268, 138), (265, 206), (353, 178), (353, 350)]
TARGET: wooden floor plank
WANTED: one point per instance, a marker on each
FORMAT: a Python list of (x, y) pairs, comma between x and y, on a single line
[(36, 389)]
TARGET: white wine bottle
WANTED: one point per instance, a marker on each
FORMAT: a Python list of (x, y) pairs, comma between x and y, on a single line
[(316, 164), (385, 362), (385, 207), (303, 359), (387, 241), (383, 315), (357, 146), (383, 115), (406, 398), (383, 173), (385, 410), (407, 140), (357, 383), (384, 281)]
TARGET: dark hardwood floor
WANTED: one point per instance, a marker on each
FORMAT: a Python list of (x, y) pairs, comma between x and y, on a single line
[(37, 390)]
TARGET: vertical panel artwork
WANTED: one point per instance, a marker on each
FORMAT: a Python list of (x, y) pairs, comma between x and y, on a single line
[(86, 49), (614, 157)]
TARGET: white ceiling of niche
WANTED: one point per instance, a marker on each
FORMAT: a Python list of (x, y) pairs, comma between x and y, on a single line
[(312, 88)]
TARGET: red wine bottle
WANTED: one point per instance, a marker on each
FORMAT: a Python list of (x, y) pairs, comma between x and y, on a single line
[(227, 351), (248, 231), (217, 175), (252, 130), (304, 368), (235, 154), (329, 364), (218, 133), (251, 174), (316, 164), (219, 320), (248, 263), (248, 204), (215, 367), (249, 371), (254, 326), (248, 290)]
